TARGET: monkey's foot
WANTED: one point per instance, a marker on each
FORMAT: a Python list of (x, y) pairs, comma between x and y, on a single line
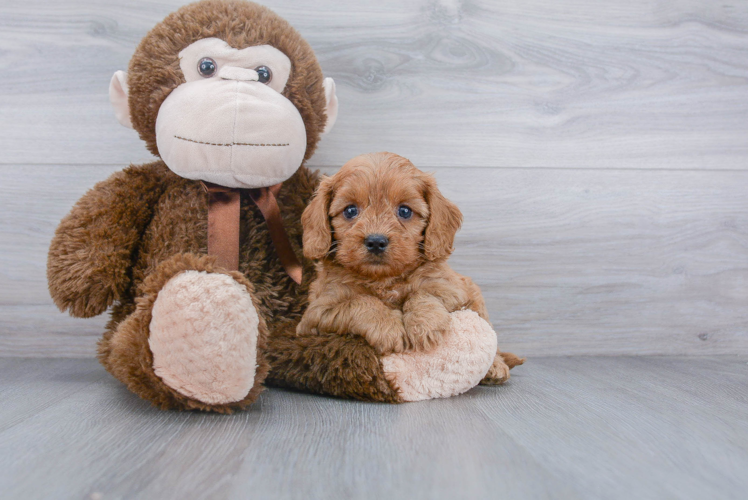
[(457, 364), (204, 337)]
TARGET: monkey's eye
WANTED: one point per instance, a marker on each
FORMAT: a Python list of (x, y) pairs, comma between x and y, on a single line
[(350, 212), (264, 74), (404, 212), (207, 67)]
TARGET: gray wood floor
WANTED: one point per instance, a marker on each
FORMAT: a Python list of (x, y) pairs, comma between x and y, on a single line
[(585, 427)]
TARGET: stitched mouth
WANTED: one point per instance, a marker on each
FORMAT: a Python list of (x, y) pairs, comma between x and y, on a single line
[(231, 143)]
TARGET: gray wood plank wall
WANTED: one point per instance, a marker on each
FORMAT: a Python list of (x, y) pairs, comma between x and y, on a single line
[(598, 150)]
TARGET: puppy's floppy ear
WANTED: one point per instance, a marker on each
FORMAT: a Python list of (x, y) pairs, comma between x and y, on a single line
[(444, 221), (315, 221)]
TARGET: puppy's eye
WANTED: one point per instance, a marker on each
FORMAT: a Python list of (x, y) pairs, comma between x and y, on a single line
[(207, 67), (264, 74), (404, 212), (350, 212)]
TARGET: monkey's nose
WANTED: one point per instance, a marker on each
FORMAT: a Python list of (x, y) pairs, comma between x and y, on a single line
[(376, 243), (238, 74)]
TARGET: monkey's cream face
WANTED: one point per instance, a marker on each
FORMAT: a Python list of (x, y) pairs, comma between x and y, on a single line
[(228, 123)]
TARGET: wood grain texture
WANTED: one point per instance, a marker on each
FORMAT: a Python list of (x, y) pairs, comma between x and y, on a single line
[(570, 261), (43, 331), (578, 84), (561, 428)]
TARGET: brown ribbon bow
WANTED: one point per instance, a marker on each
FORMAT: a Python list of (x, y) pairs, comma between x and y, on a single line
[(223, 226)]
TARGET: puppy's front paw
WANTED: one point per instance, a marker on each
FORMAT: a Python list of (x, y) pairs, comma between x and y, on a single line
[(498, 373), (307, 326), (424, 329), (389, 336)]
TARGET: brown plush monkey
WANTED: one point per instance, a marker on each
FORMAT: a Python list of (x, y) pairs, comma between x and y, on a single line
[(229, 96)]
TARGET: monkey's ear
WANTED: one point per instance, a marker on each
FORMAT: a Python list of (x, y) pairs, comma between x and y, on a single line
[(118, 98), (332, 104), (315, 220), (444, 221)]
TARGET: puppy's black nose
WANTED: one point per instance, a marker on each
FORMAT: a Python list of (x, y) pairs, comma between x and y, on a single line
[(376, 243)]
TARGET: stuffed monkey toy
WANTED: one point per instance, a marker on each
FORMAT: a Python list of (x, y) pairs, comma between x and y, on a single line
[(196, 255)]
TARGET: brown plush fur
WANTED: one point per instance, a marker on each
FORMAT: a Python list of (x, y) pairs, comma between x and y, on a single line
[(400, 299), (113, 246), (128, 235), (338, 365)]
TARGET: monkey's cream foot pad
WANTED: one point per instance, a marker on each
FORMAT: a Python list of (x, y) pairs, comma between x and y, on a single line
[(457, 364), (203, 336)]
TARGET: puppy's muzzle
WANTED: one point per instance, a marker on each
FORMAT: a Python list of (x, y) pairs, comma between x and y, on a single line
[(376, 243)]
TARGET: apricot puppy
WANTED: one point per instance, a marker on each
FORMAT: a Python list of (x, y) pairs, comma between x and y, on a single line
[(382, 232)]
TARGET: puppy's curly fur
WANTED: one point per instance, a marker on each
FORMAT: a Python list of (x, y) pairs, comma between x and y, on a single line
[(400, 298)]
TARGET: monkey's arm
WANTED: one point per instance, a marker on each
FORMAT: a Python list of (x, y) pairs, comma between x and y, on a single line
[(341, 310), (90, 254)]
